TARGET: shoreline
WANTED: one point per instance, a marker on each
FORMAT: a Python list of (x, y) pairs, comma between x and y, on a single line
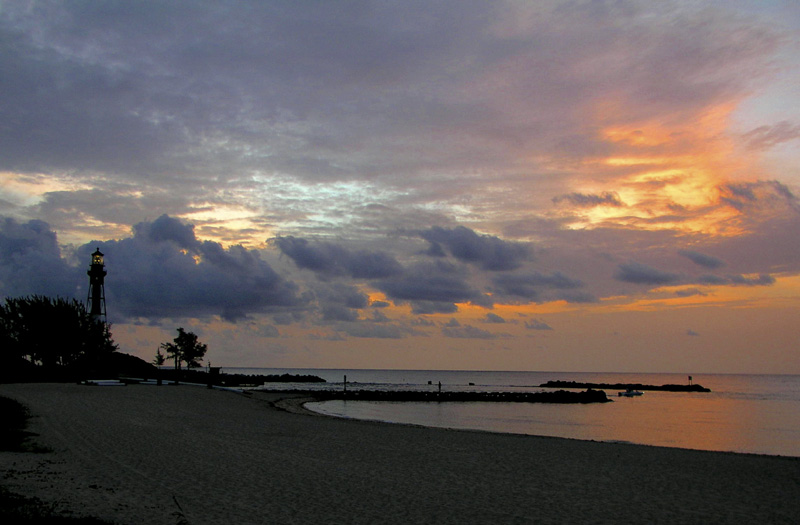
[(129, 454), (297, 404)]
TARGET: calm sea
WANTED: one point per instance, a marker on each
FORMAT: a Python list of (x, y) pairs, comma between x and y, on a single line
[(742, 413)]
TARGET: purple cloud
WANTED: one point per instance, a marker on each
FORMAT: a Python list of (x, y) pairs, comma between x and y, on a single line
[(486, 251), (638, 273), (583, 200), (431, 288), (329, 260), (701, 259)]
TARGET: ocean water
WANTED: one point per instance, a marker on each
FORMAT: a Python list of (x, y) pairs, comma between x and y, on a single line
[(743, 413)]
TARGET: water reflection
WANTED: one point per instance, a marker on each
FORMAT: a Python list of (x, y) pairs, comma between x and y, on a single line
[(685, 420)]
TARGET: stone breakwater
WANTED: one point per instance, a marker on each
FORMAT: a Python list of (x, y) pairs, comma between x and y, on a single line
[(559, 396), (626, 386)]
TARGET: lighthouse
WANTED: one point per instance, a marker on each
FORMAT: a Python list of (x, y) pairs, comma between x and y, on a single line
[(96, 302)]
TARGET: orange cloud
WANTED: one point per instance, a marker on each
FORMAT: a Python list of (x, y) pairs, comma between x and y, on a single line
[(667, 173)]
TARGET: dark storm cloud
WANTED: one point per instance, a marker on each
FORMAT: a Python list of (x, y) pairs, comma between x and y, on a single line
[(421, 307), (342, 294), (340, 302), (164, 229), (31, 263), (637, 273), (531, 285), (583, 200), (164, 271), (701, 259), (331, 260), (34, 237), (486, 251), (337, 312), (431, 288), (435, 250)]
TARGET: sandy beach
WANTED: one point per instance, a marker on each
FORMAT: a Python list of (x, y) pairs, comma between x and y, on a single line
[(160, 455)]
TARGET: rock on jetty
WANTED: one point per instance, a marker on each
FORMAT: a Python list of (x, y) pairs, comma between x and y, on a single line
[(626, 386), (559, 396), (233, 380)]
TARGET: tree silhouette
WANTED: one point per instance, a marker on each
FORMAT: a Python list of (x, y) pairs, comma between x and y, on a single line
[(52, 332), (184, 348)]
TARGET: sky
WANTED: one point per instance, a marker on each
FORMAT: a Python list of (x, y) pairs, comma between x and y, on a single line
[(565, 185)]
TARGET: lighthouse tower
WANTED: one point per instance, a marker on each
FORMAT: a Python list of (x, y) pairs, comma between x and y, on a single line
[(96, 302)]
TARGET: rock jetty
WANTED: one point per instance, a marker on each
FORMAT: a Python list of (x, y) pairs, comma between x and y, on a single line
[(559, 396), (626, 386)]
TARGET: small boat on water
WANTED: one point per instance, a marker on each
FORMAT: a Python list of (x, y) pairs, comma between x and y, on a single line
[(630, 393)]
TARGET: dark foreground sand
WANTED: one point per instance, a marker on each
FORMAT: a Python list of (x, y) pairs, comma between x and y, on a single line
[(127, 454)]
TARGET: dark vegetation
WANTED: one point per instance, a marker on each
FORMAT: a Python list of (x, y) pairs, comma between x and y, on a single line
[(57, 340), (24, 510), (46, 339), (626, 386), (14, 436), (186, 348), (15, 508), (111, 366), (52, 332)]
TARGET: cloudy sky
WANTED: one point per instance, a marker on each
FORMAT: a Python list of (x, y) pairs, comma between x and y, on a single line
[(511, 185)]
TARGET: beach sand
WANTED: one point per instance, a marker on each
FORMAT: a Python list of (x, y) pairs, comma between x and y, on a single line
[(139, 454)]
